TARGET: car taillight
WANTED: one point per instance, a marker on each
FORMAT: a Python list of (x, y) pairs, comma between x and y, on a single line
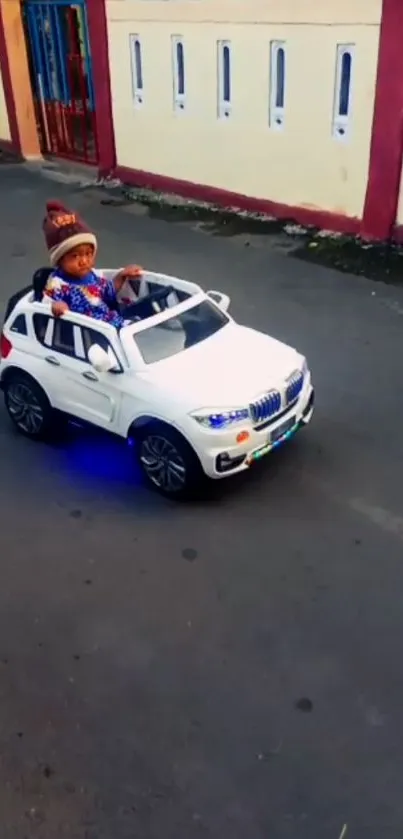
[(5, 346)]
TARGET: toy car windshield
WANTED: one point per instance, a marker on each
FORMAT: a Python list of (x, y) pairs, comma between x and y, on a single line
[(180, 332)]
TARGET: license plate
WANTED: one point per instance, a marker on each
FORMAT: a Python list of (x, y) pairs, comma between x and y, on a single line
[(282, 430), (277, 437)]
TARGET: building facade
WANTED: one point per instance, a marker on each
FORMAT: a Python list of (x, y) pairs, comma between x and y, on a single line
[(289, 108)]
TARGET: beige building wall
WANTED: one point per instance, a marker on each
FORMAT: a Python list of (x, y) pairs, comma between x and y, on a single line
[(303, 164), (5, 133)]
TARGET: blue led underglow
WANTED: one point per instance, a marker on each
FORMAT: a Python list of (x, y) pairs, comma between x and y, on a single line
[(94, 457)]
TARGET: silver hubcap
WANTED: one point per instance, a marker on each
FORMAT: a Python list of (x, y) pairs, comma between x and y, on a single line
[(24, 408), (163, 464)]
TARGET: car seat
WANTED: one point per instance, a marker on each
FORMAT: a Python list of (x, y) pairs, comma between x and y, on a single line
[(39, 281)]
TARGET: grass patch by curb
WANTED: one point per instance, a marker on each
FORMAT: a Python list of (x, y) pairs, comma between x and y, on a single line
[(381, 262)]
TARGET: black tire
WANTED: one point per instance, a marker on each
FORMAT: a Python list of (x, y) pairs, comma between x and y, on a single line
[(28, 406), (168, 463)]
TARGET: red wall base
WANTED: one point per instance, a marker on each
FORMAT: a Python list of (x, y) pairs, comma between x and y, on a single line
[(220, 197), (8, 146), (397, 235)]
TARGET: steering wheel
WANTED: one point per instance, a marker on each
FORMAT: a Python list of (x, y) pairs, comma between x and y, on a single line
[(146, 307)]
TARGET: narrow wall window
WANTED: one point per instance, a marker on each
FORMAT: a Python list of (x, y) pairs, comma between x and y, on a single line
[(224, 78), (178, 69), (137, 70), (342, 95), (277, 84)]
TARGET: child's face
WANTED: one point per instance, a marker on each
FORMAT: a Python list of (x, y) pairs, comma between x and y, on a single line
[(79, 261)]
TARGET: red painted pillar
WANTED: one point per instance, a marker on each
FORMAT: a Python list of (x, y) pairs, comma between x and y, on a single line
[(386, 153), (98, 36)]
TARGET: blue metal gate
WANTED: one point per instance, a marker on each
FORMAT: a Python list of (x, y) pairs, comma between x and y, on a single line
[(61, 76)]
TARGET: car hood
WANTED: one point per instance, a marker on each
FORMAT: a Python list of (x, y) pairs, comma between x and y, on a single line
[(229, 369)]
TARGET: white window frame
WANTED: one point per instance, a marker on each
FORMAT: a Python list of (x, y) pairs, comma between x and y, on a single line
[(276, 112), (48, 336), (179, 102), (137, 78), (79, 343), (224, 106), (341, 123)]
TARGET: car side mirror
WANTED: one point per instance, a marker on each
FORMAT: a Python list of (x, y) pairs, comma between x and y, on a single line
[(100, 360), (221, 300)]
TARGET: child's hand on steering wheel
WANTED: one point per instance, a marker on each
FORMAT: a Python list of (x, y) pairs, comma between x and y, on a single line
[(131, 272)]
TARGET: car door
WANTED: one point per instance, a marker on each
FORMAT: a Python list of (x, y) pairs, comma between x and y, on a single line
[(76, 388)]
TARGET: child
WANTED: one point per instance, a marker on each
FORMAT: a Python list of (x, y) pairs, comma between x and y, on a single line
[(74, 284)]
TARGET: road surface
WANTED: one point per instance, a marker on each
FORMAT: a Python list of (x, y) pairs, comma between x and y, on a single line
[(230, 669)]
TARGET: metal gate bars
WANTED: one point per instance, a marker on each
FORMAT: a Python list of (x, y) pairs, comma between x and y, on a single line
[(61, 76)]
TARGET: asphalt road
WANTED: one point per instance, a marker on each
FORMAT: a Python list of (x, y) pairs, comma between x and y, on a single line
[(231, 669)]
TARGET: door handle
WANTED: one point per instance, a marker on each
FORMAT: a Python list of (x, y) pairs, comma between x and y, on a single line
[(52, 360), (88, 374)]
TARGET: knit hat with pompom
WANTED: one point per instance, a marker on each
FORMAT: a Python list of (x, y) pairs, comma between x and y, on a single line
[(64, 230)]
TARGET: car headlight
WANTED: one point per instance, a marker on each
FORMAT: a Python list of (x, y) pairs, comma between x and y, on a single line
[(216, 419)]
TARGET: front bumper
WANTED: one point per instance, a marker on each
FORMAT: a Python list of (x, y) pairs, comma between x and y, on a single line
[(221, 455)]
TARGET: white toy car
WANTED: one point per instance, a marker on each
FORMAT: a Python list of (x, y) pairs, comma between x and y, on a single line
[(199, 394)]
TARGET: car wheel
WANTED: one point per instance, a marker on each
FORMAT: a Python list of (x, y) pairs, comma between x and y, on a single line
[(28, 406), (168, 462)]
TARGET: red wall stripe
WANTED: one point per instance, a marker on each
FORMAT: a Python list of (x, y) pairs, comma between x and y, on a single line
[(221, 197)]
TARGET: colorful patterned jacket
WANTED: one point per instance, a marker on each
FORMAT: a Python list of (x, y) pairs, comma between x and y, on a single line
[(92, 295)]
